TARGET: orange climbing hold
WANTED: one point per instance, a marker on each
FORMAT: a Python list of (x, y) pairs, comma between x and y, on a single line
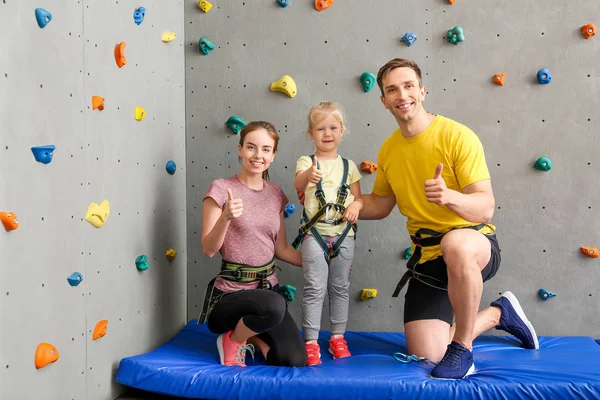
[(321, 5), (368, 166), (120, 54), (9, 220), (588, 30), (98, 103), (499, 78), (451, 1), (45, 354), (100, 329), (590, 251)]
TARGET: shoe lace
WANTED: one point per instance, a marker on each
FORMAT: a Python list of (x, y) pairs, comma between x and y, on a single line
[(240, 353), (452, 356)]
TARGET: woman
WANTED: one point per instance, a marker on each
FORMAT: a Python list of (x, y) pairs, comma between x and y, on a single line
[(242, 219)]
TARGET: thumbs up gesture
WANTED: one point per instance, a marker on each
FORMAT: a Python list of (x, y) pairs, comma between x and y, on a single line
[(436, 189), (315, 173), (233, 208)]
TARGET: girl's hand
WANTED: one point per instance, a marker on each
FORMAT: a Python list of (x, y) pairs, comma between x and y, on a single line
[(315, 174), (351, 214)]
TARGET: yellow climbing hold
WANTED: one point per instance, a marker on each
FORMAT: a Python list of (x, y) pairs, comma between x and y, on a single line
[(97, 214), (168, 36), (285, 85), (171, 254), (204, 5), (368, 294), (140, 113)]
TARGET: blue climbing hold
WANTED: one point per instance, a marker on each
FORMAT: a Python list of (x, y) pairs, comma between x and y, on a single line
[(545, 294), (543, 76), (43, 154), (75, 279), (205, 46), (139, 14), (171, 167), (408, 252), (141, 262), (283, 3), (288, 210), (235, 124), (368, 80), (287, 291), (43, 17), (409, 38)]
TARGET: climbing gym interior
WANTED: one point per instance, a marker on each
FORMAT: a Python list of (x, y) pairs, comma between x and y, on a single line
[(117, 115)]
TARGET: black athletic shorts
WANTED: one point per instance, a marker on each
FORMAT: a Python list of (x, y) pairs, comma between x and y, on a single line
[(426, 302)]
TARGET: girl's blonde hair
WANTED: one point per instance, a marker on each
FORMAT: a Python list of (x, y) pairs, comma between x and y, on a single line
[(325, 107)]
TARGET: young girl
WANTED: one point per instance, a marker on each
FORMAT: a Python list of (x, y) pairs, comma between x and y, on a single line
[(242, 219), (332, 202)]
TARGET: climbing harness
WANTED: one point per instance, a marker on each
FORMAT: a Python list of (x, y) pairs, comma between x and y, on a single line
[(433, 239), (323, 216), (406, 358), (243, 273)]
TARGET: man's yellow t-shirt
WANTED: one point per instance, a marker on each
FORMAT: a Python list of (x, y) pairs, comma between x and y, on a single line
[(332, 175), (404, 164)]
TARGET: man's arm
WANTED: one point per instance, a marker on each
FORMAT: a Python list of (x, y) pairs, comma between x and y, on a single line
[(376, 207), (475, 204)]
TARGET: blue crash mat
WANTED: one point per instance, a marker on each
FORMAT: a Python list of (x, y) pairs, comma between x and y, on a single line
[(188, 366)]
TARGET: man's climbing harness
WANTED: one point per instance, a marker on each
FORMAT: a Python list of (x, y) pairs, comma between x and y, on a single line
[(237, 273), (433, 238), (324, 216)]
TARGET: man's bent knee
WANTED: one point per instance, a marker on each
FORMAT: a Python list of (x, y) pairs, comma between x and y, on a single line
[(461, 246)]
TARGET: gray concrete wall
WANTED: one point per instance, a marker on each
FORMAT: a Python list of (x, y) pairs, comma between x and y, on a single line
[(542, 217), (48, 78)]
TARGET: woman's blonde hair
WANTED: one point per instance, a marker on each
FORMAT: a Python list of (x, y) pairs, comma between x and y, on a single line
[(325, 107)]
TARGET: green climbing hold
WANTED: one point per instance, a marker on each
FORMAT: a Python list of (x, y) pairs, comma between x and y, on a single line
[(543, 164), (205, 45), (367, 79), (408, 252), (455, 35), (235, 124), (287, 291), (141, 262)]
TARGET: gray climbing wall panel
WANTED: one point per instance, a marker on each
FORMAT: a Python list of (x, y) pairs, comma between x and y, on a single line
[(542, 217), (48, 78)]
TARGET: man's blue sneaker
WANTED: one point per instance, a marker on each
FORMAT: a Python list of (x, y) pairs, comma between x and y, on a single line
[(456, 364), (514, 321)]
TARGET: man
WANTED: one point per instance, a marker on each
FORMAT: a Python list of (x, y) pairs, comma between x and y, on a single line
[(434, 169)]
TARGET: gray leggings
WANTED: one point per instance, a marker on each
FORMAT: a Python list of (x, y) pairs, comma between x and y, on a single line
[(319, 278)]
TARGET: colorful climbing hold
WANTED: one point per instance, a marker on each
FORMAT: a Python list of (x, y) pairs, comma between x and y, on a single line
[(171, 167), (97, 214), (204, 5), (591, 252), (140, 113), (408, 253), (287, 291), (455, 35), (543, 164), (409, 38), (321, 5), (100, 329), (588, 30), (368, 294), (75, 279), (45, 354), (205, 46), (283, 3), (368, 80), (43, 154), (451, 1), (171, 254), (499, 78), (543, 76), (545, 294), (9, 220), (42, 17), (169, 36), (141, 262), (289, 209), (139, 14), (285, 84), (97, 103), (368, 166), (120, 54), (235, 124)]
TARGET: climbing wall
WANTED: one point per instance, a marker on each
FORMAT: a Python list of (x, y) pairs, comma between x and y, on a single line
[(544, 216), (95, 198)]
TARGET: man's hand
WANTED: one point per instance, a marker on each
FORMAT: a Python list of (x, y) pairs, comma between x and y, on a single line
[(233, 208), (435, 189)]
